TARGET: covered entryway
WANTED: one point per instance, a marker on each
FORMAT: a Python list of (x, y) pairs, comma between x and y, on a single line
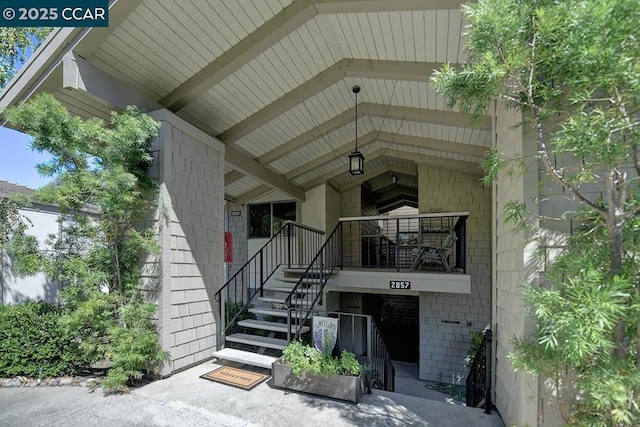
[(397, 318)]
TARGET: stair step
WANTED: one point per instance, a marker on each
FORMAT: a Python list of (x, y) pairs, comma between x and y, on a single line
[(268, 326), (297, 279), (301, 271), (273, 312), (269, 311), (258, 341), (272, 300), (294, 301), (288, 290), (245, 357)]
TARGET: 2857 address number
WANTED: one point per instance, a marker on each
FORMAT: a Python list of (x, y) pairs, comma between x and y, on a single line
[(399, 284)]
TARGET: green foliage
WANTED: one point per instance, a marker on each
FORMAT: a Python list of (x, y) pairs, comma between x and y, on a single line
[(16, 44), (302, 357), (571, 68), (102, 190), (17, 248), (576, 317), (33, 342), (476, 340), (515, 213), (133, 346)]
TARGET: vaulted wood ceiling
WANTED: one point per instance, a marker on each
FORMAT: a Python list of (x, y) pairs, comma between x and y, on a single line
[(272, 80)]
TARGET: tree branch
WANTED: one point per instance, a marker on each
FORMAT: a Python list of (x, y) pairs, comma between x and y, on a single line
[(543, 151)]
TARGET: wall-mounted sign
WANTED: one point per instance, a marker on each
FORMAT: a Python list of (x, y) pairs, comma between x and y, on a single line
[(399, 284), (325, 333), (236, 213)]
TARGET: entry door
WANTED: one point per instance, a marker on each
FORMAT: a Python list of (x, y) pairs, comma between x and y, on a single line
[(397, 317)]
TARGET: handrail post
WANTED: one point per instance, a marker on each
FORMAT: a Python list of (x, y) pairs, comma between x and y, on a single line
[(487, 371), (341, 246), (289, 245), (397, 244), (288, 324), (369, 343), (219, 323), (261, 274)]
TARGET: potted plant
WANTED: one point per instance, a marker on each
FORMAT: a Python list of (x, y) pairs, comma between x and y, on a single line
[(306, 369)]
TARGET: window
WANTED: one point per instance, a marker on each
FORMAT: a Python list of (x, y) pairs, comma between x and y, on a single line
[(265, 219)]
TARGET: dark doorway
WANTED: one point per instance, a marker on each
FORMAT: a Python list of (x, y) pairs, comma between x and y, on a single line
[(397, 317)]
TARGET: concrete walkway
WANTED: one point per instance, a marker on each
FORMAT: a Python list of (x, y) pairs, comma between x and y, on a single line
[(187, 400)]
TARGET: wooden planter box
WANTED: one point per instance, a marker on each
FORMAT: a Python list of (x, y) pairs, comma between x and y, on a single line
[(341, 387)]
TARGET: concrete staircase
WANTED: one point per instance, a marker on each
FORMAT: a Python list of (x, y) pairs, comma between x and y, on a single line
[(264, 336)]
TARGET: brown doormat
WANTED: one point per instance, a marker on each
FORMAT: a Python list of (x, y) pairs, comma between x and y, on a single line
[(245, 380)]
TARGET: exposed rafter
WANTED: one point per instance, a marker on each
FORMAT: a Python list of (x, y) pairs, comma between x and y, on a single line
[(458, 165), (301, 140), (340, 170), (232, 177), (396, 140), (436, 117), (79, 74), (432, 144), (249, 166), (361, 68), (375, 173), (409, 114), (250, 195), (276, 28), (363, 141)]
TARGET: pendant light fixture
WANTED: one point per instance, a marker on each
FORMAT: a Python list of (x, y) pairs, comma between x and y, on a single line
[(356, 159)]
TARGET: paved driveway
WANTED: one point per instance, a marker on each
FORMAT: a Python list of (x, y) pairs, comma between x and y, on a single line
[(187, 400)]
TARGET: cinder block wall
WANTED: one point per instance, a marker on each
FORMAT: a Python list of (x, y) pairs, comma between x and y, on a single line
[(444, 343), (190, 170)]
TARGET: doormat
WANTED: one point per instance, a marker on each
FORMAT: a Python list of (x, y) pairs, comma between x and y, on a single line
[(245, 380)]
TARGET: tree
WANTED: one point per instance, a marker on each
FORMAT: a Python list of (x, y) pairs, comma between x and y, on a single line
[(104, 195), (572, 67), (16, 44)]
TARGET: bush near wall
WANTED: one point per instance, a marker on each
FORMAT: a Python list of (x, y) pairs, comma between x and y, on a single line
[(33, 343)]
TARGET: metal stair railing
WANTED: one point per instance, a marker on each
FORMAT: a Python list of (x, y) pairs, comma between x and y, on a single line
[(383, 373), (478, 384), (307, 292), (292, 245)]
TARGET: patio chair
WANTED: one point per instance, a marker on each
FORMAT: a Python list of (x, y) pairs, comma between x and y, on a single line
[(434, 254)]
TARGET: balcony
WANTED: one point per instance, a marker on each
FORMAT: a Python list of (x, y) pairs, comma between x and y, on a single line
[(424, 252)]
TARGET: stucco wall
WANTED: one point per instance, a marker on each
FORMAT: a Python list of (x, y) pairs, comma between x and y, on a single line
[(191, 174), (351, 207), (313, 210), (443, 342), (334, 206), (15, 289)]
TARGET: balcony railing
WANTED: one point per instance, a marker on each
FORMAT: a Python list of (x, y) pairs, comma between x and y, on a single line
[(396, 242)]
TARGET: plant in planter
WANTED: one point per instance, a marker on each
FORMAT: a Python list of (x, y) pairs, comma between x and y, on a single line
[(304, 368)]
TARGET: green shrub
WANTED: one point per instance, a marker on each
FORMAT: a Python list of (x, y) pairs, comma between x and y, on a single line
[(133, 347), (302, 357), (34, 344)]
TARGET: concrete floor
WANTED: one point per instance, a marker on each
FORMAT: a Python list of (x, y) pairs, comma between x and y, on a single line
[(407, 383), (185, 399)]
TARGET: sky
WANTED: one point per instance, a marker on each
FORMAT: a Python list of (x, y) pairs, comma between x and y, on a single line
[(18, 161)]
